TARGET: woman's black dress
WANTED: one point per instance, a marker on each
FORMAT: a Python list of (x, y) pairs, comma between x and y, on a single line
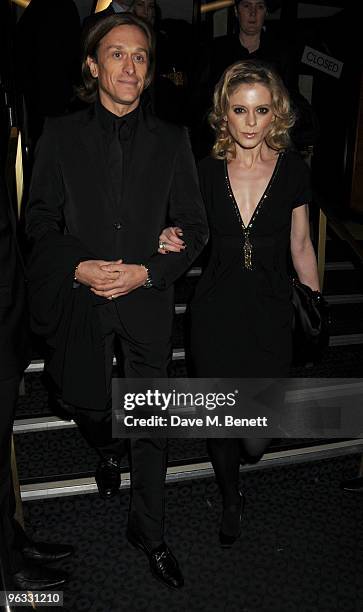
[(240, 317)]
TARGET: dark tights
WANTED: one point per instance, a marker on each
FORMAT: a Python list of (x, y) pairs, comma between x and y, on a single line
[(226, 455)]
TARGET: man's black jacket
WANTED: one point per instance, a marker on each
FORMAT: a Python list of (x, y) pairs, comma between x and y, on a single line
[(72, 216)]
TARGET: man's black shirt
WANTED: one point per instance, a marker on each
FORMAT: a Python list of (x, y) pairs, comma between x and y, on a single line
[(118, 140)]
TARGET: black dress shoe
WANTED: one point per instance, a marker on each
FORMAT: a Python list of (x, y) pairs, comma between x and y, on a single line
[(108, 477), (37, 578), (45, 552), (230, 529), (163, 564)]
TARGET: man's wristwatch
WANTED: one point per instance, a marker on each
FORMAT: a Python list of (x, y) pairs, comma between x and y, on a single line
[(148, 283)]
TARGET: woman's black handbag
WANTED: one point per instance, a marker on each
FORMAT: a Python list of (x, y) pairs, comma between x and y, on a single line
[(311, 322)]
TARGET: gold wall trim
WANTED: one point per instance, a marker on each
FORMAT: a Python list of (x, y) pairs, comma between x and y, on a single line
[(22, 3), (215, 6), (102, 4)]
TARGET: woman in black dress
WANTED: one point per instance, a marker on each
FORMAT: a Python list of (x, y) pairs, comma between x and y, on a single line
[(256, 191)]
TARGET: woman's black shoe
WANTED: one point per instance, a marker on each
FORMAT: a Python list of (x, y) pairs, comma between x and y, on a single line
[(230, 529)]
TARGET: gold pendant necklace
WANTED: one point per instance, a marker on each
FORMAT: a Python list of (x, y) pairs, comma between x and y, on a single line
[(247, 252), (247, 245)]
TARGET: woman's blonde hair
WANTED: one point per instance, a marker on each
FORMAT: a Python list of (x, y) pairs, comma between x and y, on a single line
[(250, 72)]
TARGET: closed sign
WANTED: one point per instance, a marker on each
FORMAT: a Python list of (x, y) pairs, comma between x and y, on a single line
[(321, 61)]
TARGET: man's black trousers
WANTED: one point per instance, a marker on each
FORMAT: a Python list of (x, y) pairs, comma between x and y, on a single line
[(148, 457)]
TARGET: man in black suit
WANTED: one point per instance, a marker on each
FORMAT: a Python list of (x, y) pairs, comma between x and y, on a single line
[(106, 180), (17, 551)]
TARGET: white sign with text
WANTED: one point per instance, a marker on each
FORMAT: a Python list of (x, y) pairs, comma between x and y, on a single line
[(321, 61)]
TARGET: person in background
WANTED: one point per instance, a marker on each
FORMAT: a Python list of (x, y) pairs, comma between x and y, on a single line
[(146, 9), (116, 6), (252, 40), (22, 559), (47, 35)]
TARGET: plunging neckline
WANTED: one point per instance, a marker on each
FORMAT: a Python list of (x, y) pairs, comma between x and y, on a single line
[(262, 198)]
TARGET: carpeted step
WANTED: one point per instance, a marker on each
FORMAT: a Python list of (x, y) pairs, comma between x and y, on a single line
[(49, 455), (300, 548)]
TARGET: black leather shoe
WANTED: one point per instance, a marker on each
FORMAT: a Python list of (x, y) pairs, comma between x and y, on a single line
[(45, 552), (230, 529), (163, 564), (37, 578), (108, 477)]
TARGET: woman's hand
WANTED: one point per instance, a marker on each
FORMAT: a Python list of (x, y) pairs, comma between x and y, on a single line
[(170, 240)]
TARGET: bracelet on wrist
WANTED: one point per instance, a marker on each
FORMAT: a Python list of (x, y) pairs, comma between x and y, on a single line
[(317, 296), (148, 283)]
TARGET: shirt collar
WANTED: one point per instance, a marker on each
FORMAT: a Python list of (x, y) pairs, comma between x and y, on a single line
[(110, 122)]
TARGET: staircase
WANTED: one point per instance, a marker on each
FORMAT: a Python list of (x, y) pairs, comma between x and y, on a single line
[(54, 460)]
